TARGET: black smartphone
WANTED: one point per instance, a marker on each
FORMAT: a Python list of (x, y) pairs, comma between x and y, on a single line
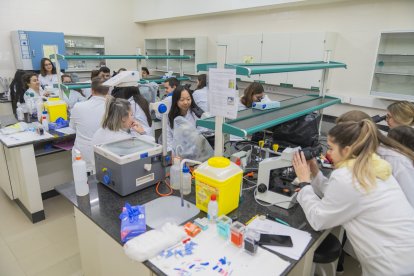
[(278, 240)]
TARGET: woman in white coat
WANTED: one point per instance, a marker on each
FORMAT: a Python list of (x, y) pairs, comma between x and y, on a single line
[(118, 122), (200, 95), (363, 197), (182, 105), (400, 157), (47, 76)]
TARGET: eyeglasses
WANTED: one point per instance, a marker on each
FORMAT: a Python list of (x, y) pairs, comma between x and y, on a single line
[(48, 64)]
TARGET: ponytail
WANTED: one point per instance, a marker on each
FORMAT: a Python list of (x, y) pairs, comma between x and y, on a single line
[(115, 111), (133, 91), (362, 140)]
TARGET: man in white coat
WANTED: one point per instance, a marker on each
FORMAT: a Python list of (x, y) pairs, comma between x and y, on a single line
[(86, 118)]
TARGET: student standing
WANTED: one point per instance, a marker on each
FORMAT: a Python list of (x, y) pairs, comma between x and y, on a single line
[(170, 85), (363, 197), (47, 76), (86, 118), (118, 122)]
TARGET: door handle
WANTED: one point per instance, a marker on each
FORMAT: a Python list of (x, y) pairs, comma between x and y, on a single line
[(33, 53)]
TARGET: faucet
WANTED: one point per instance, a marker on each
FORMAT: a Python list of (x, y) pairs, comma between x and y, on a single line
[(181, 176)]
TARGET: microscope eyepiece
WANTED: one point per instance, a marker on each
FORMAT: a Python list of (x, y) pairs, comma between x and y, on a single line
[(312, 152)]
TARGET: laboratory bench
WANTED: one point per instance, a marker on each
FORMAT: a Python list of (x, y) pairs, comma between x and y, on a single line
[(98, 227), (31, 168)]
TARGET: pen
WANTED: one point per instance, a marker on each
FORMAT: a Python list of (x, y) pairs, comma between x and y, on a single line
[(250, 220), (277, 220)]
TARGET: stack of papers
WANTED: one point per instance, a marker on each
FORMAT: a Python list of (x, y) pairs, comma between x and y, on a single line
[(300, 239)]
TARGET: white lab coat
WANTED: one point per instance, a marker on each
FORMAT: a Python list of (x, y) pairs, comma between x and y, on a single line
[(74, 97), (140, 116), (104, 135), (190, 117), (402, 170), (167, 101), (48, 80), (200, 97), (27, 95), (87, 92), (379, 224), (85, 119)]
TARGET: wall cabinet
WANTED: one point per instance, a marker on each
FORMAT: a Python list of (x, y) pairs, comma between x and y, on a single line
[(193, 46), (281, 47), (84, 45), (393, 76)]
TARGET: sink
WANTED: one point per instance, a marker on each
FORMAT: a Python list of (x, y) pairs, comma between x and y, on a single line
[(168, 209)]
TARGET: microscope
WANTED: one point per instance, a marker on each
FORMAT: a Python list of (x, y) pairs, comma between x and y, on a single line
[(276, 177)]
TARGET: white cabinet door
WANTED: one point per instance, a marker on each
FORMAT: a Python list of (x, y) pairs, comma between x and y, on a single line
[(306, 47), (276, 48)]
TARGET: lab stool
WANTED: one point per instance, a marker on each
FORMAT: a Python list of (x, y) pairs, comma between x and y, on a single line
[(327, 253)]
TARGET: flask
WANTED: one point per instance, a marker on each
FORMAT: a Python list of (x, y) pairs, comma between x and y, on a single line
[(19, 113), (79, 175), (45, 121), (212, 208), (175, 174), (186, 180)]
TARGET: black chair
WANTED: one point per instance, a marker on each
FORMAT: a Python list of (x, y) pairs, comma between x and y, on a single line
[(327, 253)]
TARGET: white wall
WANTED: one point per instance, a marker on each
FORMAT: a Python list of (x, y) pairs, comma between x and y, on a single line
[(358, 24), (110, 19)]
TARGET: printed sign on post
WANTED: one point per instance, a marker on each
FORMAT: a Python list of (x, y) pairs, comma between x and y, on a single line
[(222, 95)]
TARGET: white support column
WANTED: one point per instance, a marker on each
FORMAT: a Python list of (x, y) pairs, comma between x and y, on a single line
[(58, 73), (218, 139)]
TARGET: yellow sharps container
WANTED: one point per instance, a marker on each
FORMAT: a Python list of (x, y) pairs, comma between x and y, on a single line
[(56, 108), (221, 177)]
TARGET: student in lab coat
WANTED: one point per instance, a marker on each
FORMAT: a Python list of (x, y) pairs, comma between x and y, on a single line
[(363, 197), (253, 93), (47, 76), (118, 122), (75, 96), (33, 91), (86, 118), (200, 95), (401, 158), (88, 91), (182, 105), (140, 109), (403, 135), (145, 72), (170, 85), (400, 114)]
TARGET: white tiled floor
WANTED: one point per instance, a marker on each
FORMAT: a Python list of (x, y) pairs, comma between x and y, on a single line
[(49, 247)]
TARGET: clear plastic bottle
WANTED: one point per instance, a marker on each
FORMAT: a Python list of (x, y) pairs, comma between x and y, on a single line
[(175, 174), (79, 175), (186, 180), (39, 109), (212, 209), (45, 121), (19, 112)]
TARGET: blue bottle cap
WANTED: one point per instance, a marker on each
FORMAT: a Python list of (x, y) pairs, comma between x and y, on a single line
[(162, 108), (186, 169)]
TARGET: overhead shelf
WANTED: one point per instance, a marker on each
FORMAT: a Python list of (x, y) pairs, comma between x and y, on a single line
[(249, 69), (69, 57), (250, 121), (67, 87)]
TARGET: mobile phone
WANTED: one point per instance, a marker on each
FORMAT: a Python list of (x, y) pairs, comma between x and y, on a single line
[(277, 240)]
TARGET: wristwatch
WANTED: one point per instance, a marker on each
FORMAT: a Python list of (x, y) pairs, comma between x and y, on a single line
[(303, 184)]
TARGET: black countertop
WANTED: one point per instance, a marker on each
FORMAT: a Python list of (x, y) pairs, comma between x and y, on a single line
[(103, 207)]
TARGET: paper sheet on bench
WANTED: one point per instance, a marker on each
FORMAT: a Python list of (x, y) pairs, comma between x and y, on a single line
[(210, 248), (300, 239)]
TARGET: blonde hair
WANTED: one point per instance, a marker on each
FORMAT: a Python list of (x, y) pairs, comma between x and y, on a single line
[(402, 112), (116, 110), (357, 116), (361, 138)]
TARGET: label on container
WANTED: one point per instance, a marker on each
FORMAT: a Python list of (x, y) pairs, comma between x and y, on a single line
[(203, 194)]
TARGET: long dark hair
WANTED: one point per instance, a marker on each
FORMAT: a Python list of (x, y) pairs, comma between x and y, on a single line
[(17, 89), (253, 89), (42, 67), (175, 110), (133, 91), (202, 81)]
